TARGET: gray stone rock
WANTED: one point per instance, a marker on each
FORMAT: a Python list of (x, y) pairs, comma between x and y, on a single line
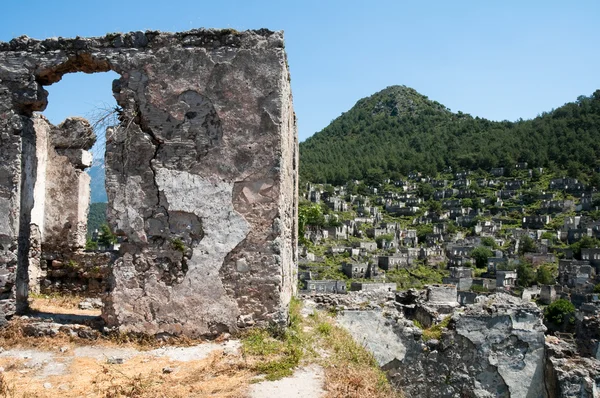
[(372, 330), (569, 375), (40, 329), (491, 349)]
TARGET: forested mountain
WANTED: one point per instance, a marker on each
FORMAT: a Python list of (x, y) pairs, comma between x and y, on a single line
[(96, 217), (398, 130), (96, 172)]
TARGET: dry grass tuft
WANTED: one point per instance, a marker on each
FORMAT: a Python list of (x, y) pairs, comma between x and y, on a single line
[(7, 390), (351, 371), (218, 376), (360, 381), (58, 304)]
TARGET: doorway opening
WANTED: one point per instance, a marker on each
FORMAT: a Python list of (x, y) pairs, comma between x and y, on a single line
[(68, 264)]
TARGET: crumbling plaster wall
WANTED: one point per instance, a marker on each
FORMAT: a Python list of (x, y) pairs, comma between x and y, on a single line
[(201, 174)]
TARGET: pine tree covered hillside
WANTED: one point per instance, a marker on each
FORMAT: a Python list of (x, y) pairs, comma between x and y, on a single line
[(398, 130)]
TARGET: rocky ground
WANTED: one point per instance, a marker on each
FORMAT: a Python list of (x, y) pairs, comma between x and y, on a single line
[(60, 349), (497, 347), (353, 345)]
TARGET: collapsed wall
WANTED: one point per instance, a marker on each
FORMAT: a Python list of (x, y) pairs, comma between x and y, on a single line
[(201, 174)]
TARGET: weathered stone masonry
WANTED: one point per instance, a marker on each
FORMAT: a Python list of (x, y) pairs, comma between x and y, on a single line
[(201, 174)]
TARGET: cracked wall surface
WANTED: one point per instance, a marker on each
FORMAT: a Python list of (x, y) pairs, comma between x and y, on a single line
[(201, 173)]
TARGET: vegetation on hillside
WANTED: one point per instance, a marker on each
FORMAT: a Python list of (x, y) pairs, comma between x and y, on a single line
[(398, 130), (96, 217)]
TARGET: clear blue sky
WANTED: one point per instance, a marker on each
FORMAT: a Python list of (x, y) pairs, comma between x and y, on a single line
[(494, 59)]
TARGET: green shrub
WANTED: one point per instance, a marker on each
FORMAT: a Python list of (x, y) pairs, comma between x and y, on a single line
[(435, 331), (560, 312), (479, 289)]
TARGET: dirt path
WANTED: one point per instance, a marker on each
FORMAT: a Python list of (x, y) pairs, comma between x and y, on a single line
[(305, 383)]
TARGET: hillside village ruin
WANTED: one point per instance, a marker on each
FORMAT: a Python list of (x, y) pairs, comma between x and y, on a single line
[(420, 240), (201, 175), (439, 277)]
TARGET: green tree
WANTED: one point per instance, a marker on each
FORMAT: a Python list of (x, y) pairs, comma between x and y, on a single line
[(381, 238), (480, 255), (525, 274), (106, 237), (452, 228), (374, 177), (423, 230), (91, 245), (435, 207), (425, 191), (559, 313), (545, 274), (489, 242), (527, 245), (309, 214), (586, 242), (96, 217), (549, 235)]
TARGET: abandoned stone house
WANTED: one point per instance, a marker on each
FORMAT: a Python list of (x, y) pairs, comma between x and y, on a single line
[(593, 256), (535, 222), (576, 274), (460, 261), (497, 171), (451, 203), (513, 184), (506, 279), (434, 239), (575, 234), (391, 262), (555, 206), (466, 221), (432, 255), (206, 154), (337, 204), (444, 194), (567, 184), (462, 278), (456, 251), (336, 232), (366, 245), (439, 183), (506, 194), (521, 165), (371, 286), (549, 293), (586, 203), (326, 286), (462, 183), (314, 196), (360, 270), (413, 201)]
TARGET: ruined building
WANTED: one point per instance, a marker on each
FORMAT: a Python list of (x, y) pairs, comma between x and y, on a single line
[(201, 176)]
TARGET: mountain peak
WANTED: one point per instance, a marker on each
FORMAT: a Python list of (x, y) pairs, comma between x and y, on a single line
[(401, 101)]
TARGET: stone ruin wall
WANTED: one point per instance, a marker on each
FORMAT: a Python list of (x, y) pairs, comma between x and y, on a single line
[(61, 196), (201, 174)]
